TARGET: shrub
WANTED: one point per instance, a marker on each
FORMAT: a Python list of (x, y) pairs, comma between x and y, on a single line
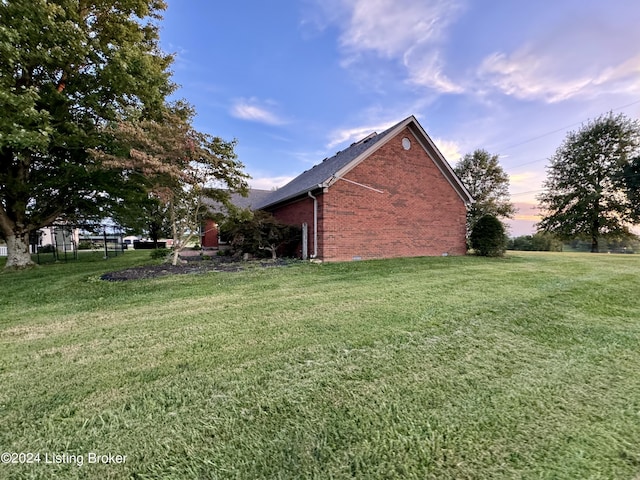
[(488, 237), (85, 245), (160, 253), (259, 233)]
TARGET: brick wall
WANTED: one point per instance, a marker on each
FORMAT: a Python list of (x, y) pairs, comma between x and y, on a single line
[(418, 214), (299, 212), (210, 237)]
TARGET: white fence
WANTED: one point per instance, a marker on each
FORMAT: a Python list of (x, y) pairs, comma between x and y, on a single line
[(3, 251)]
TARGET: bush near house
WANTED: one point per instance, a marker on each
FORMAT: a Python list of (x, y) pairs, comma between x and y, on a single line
[(260, 234), (488, 237)]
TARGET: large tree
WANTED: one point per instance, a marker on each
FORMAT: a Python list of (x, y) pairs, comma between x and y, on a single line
[(585, 189), (488, 184), (68, 68)]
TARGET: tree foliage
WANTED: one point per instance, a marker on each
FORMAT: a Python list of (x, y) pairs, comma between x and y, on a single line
[(586, 194), (259, 232), (488, 237), (539, 242), (141, 213), (488, 184), (68, 68), (631, 177)]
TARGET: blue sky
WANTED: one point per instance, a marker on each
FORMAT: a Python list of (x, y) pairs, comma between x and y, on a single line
[(296, 81)]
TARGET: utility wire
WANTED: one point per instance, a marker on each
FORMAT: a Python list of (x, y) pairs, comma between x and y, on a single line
[(523, 142)]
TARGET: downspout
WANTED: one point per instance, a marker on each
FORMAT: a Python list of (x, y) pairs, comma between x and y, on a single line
[(315, 225)]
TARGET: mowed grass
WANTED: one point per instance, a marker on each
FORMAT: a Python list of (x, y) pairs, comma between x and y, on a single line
[(443, 368)]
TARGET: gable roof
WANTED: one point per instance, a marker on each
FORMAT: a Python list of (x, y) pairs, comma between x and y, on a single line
[(332, 169)]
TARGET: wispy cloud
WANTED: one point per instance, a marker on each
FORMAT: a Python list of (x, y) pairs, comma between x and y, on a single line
[(354, 134), (409, 32), (527, 76), (450, 150), (527, 211), (524, 179), (429, 70), (392, 27), (270, 183), (573, 60), (256, 111)]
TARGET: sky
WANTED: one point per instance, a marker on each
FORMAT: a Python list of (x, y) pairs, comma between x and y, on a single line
[(295, 81)]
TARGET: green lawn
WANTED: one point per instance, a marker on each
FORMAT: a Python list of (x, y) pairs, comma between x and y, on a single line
[(456, 367)]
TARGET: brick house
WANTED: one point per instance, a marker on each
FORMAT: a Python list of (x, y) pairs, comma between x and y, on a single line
[(391, 194)]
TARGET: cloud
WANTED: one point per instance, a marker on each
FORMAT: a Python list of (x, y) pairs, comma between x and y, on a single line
[(524, 75), (255, 111), (428, 70), (270, 183), (449, 149), (524, 179), (408, 32), (525, 219), (579, 57), (527, 211), (355, 134), (392, 27)]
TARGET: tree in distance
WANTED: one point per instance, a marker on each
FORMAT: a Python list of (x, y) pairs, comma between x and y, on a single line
[(488, 184), (586, 194)]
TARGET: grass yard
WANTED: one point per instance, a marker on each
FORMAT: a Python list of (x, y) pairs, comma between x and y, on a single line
[(443, 368)]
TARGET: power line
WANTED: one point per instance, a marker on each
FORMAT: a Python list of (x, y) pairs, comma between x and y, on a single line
[(529, 163), (564, 128), (526, 193), (633, 175)]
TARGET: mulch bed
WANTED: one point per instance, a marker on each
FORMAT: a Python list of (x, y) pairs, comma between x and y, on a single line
[(190, 265)]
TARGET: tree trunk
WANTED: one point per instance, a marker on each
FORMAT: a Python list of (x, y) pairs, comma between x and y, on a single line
[(176, 241), (595, 224), (18, 255)]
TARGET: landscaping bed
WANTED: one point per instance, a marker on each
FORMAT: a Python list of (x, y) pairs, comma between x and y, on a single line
[(192, 265)]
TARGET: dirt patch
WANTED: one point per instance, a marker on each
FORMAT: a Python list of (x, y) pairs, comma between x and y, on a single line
[(192, 265)]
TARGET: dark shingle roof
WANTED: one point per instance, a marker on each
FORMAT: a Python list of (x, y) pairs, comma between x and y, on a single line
[(322, 172), (254, 197)]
